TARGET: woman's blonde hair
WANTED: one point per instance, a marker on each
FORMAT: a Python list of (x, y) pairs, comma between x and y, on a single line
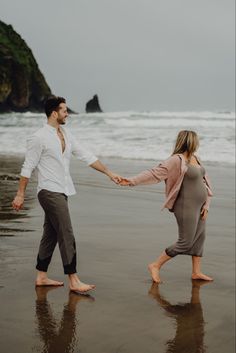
[(187, 141)]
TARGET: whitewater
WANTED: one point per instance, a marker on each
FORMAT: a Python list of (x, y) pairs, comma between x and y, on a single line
[(131, 135)]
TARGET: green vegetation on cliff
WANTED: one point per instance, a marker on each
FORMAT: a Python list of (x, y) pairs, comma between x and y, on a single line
[(22, 85)]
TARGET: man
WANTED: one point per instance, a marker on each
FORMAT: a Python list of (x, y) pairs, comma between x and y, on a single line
[(49, 150)]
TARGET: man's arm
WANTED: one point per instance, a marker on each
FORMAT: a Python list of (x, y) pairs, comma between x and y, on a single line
[(97, 165), (91, 160), (18, 201), (32, 157)]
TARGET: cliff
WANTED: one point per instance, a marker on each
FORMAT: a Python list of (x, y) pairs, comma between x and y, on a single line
[(22, 85)]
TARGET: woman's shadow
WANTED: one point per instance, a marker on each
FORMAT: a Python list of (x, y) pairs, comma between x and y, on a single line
[(189, 321), (58, 337)]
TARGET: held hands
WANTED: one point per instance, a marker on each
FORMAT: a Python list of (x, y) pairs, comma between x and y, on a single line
[(117, 179), (114, 177), (125, 182), (18, 202)]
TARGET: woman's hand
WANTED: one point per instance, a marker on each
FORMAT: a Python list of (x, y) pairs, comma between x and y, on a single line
[(204, 213), (125, 182)]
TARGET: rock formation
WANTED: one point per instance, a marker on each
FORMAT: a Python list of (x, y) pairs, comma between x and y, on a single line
[(22, 85), (93, 105)]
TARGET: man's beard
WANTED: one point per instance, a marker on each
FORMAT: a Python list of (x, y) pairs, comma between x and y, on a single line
[(61, 121)]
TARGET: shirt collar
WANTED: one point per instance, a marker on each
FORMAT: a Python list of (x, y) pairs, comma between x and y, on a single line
[(53, 129), (50, 128)]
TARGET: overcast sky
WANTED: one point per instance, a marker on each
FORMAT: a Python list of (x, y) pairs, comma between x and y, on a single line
[(135, 54)]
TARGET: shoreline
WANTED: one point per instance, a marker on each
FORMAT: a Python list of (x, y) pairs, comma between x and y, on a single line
[(115, 158)]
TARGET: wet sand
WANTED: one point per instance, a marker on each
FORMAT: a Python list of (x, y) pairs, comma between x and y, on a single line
[(118, 231)]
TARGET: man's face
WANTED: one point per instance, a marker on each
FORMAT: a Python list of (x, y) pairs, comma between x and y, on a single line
[(62, 114)]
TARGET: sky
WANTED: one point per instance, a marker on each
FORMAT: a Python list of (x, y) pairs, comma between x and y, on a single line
[(138, 55)]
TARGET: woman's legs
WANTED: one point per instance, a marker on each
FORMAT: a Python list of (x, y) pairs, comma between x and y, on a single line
[(196, 269), (155, 267)]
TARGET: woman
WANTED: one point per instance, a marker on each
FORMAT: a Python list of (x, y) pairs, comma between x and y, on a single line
[(188, 193)]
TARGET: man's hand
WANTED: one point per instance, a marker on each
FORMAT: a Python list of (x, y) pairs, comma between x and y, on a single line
[(114, 177), (97, 165), (18, 202), (204, 213)]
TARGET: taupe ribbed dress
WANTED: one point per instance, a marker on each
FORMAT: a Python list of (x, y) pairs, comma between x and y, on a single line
[(187, 210)]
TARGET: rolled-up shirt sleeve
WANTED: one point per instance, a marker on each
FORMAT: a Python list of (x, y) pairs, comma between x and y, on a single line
[(32, 156), (82, 153)]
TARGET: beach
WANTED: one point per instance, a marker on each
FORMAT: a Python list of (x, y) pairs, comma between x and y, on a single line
[(118, 232)]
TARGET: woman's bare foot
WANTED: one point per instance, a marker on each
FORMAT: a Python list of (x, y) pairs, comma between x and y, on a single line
[(41, 282), (201, 276), (154, 270)]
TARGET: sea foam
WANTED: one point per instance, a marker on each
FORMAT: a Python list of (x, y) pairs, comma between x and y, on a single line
[(136, 135)]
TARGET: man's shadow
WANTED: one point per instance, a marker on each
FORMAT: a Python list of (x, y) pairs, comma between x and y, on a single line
[(189, 321), (58, 337)]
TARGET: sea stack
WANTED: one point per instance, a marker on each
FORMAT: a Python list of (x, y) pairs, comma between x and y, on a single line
[(93, 106), (22, 85)]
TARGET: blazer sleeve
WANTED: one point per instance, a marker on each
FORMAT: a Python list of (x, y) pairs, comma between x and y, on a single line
[(156, 174)]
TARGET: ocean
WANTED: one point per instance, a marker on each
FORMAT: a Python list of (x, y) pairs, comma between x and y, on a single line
[(131, 135)]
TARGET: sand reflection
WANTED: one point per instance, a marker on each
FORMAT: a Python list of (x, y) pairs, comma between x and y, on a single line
[(188, 320), (57, 337)]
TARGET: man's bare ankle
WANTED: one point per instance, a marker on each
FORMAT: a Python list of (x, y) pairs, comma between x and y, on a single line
[(41, 275), (73, 276)]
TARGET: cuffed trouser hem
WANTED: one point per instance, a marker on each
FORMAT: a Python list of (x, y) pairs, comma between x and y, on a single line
[(69, 271), (71, 268), (42, 265)]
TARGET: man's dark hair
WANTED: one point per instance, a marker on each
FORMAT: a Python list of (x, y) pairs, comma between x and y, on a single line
[(52, 104)]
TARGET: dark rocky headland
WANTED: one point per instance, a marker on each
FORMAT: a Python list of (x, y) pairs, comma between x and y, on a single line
[(22, 85)]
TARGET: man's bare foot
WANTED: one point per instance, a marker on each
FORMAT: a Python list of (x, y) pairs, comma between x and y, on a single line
[(154, 270), (201, 276), (80, 287), (41, 282)]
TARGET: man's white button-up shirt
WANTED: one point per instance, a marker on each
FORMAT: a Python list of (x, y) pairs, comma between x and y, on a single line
[(44, 153)]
